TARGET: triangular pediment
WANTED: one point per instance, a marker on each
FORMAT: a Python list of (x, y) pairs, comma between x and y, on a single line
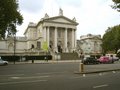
[(61, 19)]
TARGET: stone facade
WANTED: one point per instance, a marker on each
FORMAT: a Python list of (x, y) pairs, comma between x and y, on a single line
[(59, 33), (11, 46), (54, 34), (90, 44)]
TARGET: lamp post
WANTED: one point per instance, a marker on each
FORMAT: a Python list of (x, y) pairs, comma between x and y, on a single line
[(14, 35)]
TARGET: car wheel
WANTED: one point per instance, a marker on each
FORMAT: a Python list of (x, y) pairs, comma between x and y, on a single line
[(5, 63)]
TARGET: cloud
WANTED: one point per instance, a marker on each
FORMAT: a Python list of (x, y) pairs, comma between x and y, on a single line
[(31, 5), (50, 7), (96, 17), (93, 16), (74, 3)]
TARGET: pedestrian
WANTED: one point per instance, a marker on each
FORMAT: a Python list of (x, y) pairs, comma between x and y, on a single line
[(81, 57), (111, 58)]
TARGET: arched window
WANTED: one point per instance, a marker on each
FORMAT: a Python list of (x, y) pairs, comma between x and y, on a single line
[(32, 46)]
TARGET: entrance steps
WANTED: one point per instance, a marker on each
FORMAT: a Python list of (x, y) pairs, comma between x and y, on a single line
[(69, 56)]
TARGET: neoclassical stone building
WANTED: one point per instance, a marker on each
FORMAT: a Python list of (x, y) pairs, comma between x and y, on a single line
[(90, 44), (59, 33), (53, 34)]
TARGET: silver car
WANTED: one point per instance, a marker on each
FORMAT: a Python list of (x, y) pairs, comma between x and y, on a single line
[(2, 62)]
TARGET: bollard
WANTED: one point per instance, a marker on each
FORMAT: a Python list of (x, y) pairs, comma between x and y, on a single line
[(81, 67)]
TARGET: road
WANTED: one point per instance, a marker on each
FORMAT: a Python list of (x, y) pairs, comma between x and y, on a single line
[(59, 76)]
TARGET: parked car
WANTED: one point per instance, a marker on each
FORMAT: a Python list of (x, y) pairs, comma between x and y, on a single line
[(2, 62), (116, 58), (90, 60), (113, 56), (105, 59)]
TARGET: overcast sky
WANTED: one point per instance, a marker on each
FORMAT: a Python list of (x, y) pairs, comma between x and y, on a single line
[(93, 16)]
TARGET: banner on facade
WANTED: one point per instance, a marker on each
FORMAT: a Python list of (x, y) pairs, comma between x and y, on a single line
[(45, 46)]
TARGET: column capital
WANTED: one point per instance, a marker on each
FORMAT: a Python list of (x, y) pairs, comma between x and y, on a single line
[(48, 26), (55, 27)]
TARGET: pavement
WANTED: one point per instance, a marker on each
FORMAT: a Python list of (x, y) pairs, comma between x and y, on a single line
[(84, 69), (89, 69), (45, 61)]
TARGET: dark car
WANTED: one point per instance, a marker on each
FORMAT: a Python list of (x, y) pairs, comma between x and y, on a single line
[(90, 60)]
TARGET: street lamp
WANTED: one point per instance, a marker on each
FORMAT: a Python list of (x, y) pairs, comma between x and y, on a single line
[(14, 37)]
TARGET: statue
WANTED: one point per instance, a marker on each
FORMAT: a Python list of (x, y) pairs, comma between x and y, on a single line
[(46, 16), (74, 19), (60, 12)]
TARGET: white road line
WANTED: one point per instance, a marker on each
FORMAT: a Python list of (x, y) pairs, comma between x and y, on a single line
[(76, 77), (100, 86), (53, 72), (15, 77), (12, 75), (100, 74), (84, 75), (113, 72), (29, 77), (33, 77), (21, 82)]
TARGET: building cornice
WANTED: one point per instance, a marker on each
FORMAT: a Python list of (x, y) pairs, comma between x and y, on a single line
[(56, 17)]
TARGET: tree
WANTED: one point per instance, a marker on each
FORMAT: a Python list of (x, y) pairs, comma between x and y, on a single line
[(111, 39), (9, 17), (116, 5)]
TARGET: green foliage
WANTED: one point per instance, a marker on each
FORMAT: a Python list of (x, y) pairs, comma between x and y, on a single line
[(9, 17), (116, 5), (111, 39)]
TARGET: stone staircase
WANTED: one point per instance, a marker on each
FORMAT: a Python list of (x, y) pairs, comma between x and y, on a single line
[(69, 56)]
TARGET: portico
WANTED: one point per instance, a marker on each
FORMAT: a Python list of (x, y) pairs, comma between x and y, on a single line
[(57, 33), (60, 39)]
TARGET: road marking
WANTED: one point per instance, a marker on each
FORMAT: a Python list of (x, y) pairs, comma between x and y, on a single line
[(33, 77), (53, 72), (21, 82), (76, 77), (100, 74), (100, 86), (113, 71), (84, 75), (29, 77), (13, 75)]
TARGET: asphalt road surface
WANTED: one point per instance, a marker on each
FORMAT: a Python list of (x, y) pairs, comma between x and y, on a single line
[(58, 76)]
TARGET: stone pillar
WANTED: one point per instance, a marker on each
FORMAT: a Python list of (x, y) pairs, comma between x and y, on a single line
[(55, 40), (75, 38), (48, 36), (44, 34), (72, 38), (65, 40)]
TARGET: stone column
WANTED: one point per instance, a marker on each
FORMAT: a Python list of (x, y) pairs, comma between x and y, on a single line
[(72, 38), (65, 40), (44, 34), (55, 39), (75, 38), (48, 36)]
